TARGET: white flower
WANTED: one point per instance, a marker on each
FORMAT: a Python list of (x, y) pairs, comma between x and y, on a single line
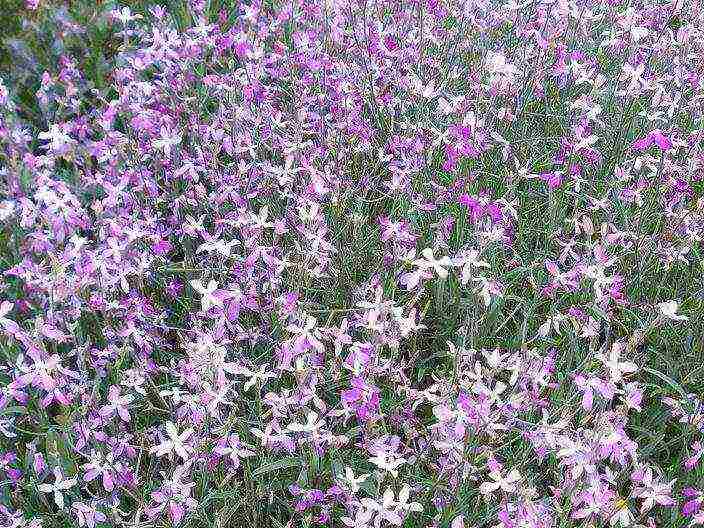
[(669, 310), (408, 324), (312, 424), (207, 298), (8, 324), (260, 221), (385, 509), (167, 141), (487, 289), (403, 504), (219, 246), (388, 462), (124, 15), (353, 482), (617, 368), (458, 522), (430, 262), (57, 487), (623, 515), (7, 207), (59, 140), (255, 377), (175, 443), (499, 482)]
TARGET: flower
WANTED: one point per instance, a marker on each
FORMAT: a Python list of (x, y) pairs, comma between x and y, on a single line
[(99, 466), (621, 513), (59, 486), (87, 515), (124, 15), (693, 460), (457, 522), (353, 482), (208, 299), (385, 510), (617, 368), (233, 448), (403, 504), (388, 462), (167, 141), (469, 261), (175, 443), (311, 426), (174, 496), (361, 519), (669, 310), (653, 491), (506, 484), (117, 404), (430, 262)]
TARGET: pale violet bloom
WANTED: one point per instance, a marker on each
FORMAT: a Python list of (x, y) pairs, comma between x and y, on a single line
[(175, 443), (58, 487), (498, 481)]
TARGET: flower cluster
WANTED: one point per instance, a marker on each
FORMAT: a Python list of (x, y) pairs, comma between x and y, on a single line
[(402, 263)]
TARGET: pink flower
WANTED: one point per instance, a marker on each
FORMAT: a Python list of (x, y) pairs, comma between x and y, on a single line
[(117, 404), (87, 516), (655, 137), (694, 504), (693, 460), (661, 140), (553, 179)]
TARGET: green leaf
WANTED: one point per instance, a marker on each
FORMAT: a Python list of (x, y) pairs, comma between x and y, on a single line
[(672, 383), (284, 463), (13, 409)]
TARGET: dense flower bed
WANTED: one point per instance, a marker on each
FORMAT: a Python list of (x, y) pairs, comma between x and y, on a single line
[(345, 263)]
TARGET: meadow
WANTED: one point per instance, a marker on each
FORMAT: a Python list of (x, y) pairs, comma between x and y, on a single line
[(352, 263)]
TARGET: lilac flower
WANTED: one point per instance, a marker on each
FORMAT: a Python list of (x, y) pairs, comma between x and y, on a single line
[(117, 404), (175, 443), (232, 448), (361, 519), (308, 169), (653, 492), (174, 497), (694, 500), (100, 465), (87, 515), (693, 460)]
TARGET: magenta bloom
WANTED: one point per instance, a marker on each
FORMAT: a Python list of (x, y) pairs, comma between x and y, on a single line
[(655, 137), (553, 180)]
